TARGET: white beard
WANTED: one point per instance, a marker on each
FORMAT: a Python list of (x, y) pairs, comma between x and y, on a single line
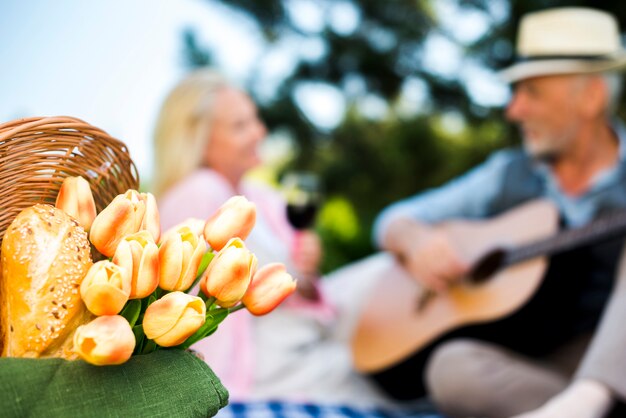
[(550, 149)]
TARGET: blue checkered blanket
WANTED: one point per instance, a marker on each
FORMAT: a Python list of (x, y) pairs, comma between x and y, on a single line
[(280, 409)]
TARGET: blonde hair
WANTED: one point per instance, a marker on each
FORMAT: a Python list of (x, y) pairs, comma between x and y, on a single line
[(183, 127)]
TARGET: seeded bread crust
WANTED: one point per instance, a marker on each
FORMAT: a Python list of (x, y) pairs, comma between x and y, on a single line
[(45, 256)]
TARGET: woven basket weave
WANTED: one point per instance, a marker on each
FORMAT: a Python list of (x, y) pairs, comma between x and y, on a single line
[(37, 153)]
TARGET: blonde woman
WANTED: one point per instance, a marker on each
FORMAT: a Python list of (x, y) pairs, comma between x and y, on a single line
[(207, 138)]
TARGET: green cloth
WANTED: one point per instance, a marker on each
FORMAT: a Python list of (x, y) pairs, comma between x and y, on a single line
[(166, 383)]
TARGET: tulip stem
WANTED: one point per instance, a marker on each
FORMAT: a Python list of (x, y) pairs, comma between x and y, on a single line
[(209, 302), (236, 308)]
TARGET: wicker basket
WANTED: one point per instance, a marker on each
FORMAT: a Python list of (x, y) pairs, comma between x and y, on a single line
[(37, 153)]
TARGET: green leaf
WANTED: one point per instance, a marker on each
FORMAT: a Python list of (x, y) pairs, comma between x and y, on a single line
[(204, 263), (149, 346), (139, 337), (145, 302), (131, 311), (212, 331), (159, 293)]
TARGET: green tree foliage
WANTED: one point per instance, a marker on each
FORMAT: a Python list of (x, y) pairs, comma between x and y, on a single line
[(368, 161)]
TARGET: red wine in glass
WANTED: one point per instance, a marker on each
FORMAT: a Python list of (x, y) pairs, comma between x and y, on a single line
[(303, 197), (302, 216)]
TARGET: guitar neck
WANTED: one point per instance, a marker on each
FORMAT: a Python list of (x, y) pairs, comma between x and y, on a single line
[(600, 230)]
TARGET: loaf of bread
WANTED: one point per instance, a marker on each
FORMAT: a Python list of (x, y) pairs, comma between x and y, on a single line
[(45, 255)]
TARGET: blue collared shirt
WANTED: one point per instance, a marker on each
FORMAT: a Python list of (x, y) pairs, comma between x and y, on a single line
[(506, 179)]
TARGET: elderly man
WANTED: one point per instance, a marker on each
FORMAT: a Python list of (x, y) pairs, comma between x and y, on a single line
[(564, 353)]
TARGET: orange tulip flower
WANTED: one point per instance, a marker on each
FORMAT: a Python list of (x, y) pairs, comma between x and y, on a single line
[(105, 288), (172, 319), (179, 258), (139, 255), (195, 224), (234, 219), (75, 199), (126, 214), (107, 340), (228, 275), (269, 287)]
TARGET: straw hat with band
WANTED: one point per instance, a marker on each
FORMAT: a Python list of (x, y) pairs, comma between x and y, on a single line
[(569, 40)]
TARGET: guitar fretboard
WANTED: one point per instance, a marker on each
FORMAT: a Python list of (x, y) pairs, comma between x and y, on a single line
[(602, 229)]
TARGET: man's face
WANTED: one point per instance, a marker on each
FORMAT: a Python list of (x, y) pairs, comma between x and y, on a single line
[(547, 111)]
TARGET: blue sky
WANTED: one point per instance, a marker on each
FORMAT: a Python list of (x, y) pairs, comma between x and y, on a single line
[(108, 62)]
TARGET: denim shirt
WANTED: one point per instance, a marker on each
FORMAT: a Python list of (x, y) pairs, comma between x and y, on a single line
[(506, 179)]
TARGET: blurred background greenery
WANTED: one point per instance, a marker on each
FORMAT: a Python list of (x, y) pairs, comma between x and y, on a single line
[(405, 126)]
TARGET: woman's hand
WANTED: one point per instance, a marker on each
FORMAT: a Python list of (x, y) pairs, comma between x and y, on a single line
[(307, 255)]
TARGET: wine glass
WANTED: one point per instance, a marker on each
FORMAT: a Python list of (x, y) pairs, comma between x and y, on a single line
[(302, 193)]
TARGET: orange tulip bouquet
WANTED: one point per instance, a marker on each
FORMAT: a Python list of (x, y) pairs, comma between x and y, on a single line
[(145, 291)]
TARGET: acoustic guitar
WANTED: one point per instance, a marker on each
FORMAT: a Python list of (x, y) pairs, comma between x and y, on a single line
[(509, 255)]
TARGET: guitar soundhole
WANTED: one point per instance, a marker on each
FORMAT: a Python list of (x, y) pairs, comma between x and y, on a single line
[(487, 266)]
